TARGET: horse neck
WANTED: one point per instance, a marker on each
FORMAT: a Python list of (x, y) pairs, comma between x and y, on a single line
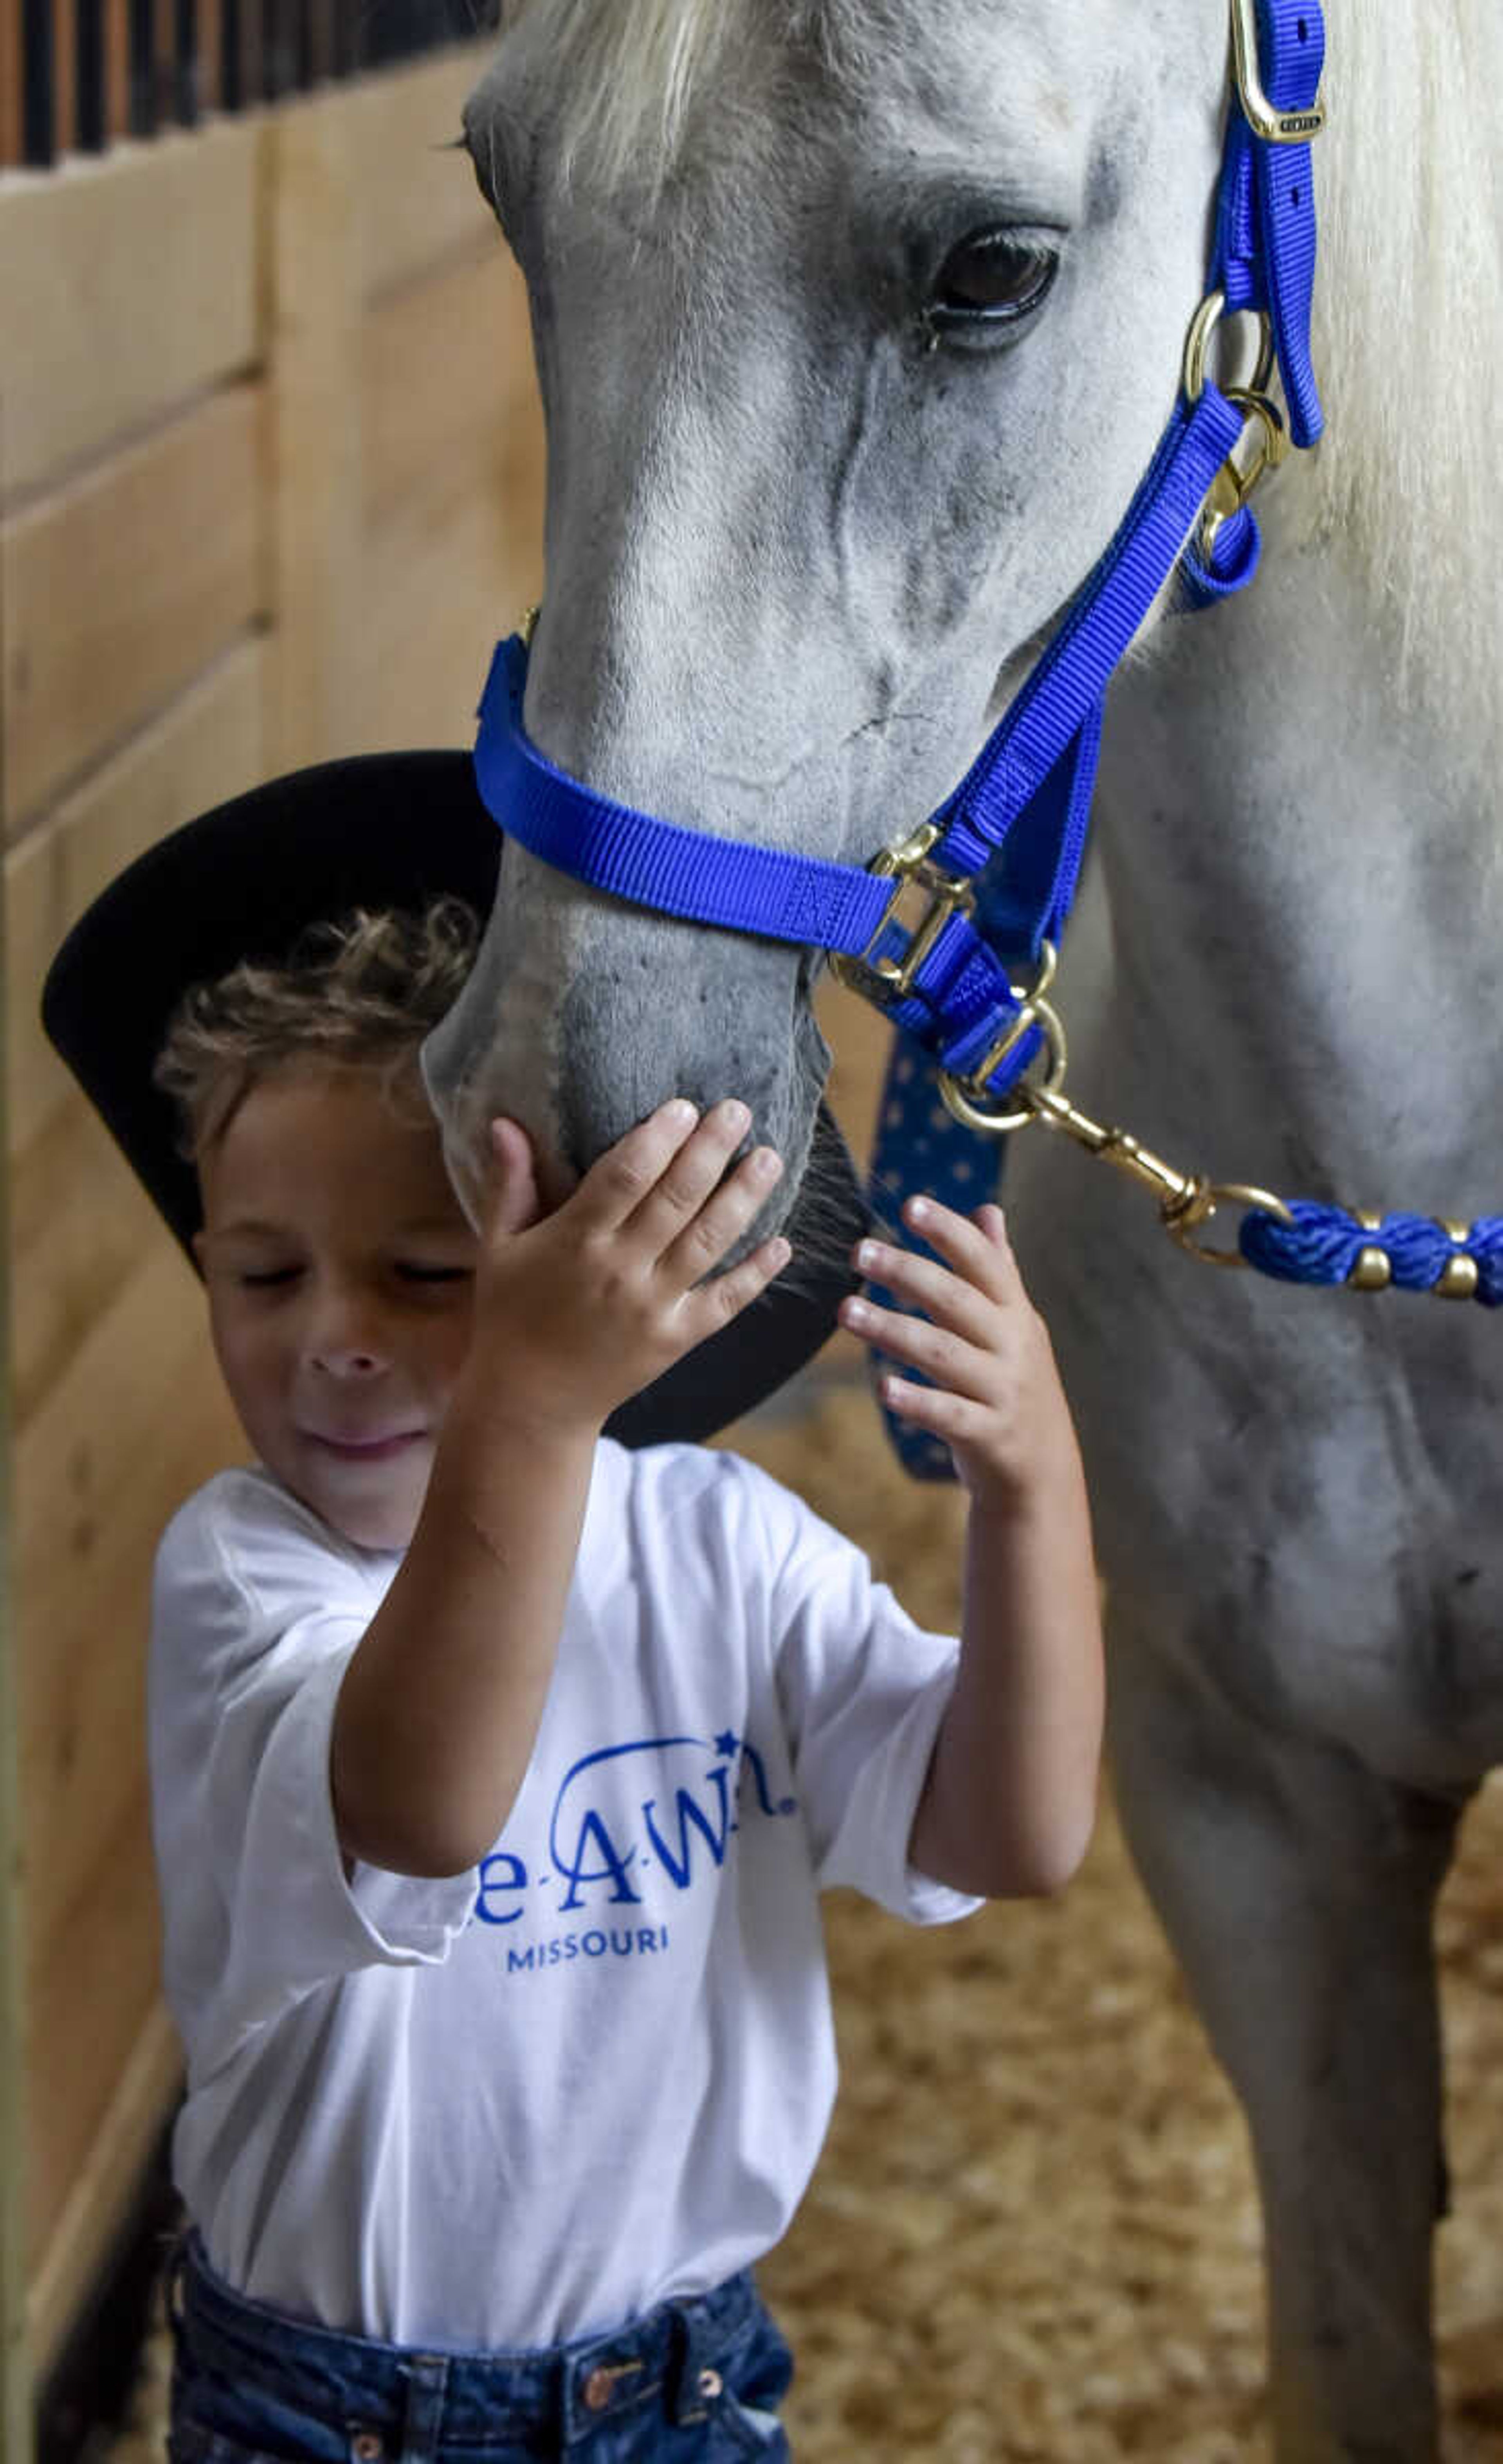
[(1306, 893)]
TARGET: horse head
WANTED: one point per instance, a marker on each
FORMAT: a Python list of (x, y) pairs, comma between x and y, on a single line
[(856, 323)]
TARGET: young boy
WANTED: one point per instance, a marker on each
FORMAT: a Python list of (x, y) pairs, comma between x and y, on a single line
[(497, 1768)]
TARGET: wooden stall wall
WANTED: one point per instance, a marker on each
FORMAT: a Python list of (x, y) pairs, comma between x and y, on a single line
[(270, 485)]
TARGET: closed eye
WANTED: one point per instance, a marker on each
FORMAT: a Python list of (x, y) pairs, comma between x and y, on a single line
[(262, 1279)]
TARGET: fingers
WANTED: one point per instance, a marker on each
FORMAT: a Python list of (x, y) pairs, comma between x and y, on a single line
[(617, 1182), (975, 1245), (689, 1209), (960, 1366), (964, 1295), (665, 1190), (708, 1307), (720, 1218), (970, 1304)]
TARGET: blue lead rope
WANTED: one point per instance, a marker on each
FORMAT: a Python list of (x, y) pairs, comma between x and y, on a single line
[(1324, 1244)]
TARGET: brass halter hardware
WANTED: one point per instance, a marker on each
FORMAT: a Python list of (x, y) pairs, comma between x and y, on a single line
[(943, 895), (966, 1099), (1197, 341), (1275, 127), (1264, 441), (1187, 1202)]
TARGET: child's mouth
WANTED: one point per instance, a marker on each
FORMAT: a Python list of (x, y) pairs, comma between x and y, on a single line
[(366, 1449)]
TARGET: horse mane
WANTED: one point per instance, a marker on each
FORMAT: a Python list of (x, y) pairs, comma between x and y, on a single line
[(1409, 328), (1409, 293)]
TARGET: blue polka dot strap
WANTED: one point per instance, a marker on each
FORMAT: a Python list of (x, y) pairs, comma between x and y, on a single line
[(925, 1148)]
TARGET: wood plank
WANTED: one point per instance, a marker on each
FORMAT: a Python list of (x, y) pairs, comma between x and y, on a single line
[(103, 626), (15, 2376), (163, 55), (91, 1503), (78, 2241), (65, 75), (91, 1500), (455, 533), (116, 68), (206, 745), (128, 284), (94, 1944), (10, 82), (440, 592), (445, 371), (209, 69), (79, 1221), (315, 431), (417, 199), (89, 1998)]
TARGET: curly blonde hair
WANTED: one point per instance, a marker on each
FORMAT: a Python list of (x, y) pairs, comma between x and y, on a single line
[(359, 993)]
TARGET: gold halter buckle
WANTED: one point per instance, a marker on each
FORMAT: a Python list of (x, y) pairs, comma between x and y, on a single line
[(966, 1099), (1275, 127), (942, 894)]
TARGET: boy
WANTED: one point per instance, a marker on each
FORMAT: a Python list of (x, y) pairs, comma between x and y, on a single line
[(497, 1768)]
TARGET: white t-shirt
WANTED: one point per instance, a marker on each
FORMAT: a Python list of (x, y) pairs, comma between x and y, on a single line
[(528, 2103)]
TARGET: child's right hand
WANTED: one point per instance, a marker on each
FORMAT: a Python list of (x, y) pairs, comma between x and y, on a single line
[(579, 1308)]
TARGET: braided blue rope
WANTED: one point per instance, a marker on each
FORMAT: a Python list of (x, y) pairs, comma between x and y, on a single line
[(1324, 1243)]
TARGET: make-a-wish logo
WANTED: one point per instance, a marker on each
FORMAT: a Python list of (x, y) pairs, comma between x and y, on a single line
[(663, 1807)]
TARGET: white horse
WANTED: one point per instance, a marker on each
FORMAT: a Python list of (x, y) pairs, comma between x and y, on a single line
[(857, 321)]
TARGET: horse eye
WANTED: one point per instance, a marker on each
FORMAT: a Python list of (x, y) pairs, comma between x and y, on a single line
[(992, 277)]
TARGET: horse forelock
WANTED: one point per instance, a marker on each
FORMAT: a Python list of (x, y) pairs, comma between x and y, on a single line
[(1408, 327), (631, 70)]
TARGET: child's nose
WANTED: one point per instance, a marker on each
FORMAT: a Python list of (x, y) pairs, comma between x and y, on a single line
[(346, 1360), (344, 1340)]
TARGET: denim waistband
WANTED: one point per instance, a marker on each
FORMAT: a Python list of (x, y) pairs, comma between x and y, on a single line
[(410, 2399)]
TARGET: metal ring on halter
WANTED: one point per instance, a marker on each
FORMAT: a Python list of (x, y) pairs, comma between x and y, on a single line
[(960, 1096), (1198, 340), (1182, 1221), (1272, 448)]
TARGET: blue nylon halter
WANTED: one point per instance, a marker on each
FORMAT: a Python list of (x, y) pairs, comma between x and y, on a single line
[(1041, 757), (1015, 827)]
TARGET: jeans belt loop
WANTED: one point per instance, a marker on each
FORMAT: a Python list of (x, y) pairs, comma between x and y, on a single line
[(691, 2395), (427, 2375)]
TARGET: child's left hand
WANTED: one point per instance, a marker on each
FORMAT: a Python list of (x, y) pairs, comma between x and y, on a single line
[(995, 1398)]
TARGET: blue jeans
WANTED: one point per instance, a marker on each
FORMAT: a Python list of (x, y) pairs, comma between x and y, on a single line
[(695, 2382)]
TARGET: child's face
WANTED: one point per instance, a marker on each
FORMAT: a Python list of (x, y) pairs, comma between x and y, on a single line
[(339, 1271)]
